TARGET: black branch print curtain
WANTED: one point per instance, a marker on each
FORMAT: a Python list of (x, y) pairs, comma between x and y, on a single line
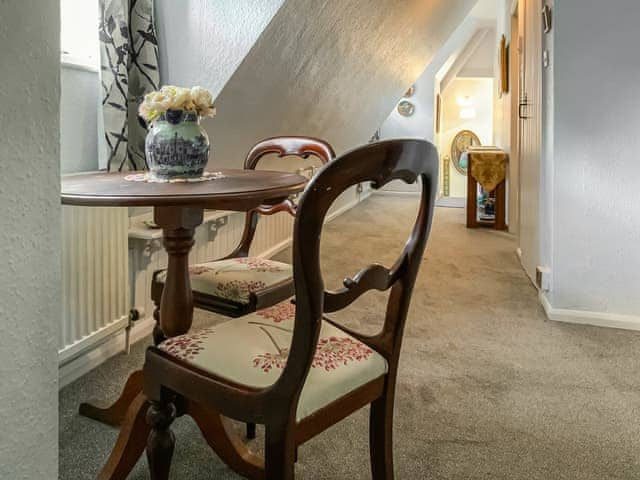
[(129, 70)]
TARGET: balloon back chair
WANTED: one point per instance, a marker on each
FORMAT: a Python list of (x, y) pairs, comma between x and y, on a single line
[(289, 367), (238, 283)]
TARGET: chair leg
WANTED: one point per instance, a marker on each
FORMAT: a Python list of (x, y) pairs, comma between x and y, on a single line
[(161, 441), (251, 431), (381, 437), (158, 335), (279, 453)]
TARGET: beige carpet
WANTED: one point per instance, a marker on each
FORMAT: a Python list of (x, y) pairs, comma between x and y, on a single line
[(488, 389)]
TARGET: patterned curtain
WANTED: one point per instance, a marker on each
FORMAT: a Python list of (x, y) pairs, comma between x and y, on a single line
[(129, 70)]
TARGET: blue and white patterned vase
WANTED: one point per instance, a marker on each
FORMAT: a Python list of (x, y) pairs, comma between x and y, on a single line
[(177, 146)]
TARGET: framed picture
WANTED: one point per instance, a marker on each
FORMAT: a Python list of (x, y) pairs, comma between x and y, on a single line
[(504, 66), (406, 108)]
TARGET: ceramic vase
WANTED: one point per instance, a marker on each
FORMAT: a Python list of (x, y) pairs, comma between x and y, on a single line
[(177, 147)]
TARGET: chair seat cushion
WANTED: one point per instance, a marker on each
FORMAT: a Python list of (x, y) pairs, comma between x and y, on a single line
[(252, 351), (234, 279)]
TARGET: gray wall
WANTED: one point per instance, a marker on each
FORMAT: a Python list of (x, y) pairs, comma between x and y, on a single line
[(79, 120), (596, 205), (547, 151), (29, 238), (329, 68), (202, 42), (421, 123), (480, 65)]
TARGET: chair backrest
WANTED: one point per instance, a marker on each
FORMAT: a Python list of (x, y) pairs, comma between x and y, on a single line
[(303, 147), (285, 146), (378, 163)]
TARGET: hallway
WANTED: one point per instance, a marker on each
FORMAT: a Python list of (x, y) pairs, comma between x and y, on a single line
[(487, 389)]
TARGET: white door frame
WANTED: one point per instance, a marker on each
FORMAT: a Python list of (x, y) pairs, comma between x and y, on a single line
[(530, 26)]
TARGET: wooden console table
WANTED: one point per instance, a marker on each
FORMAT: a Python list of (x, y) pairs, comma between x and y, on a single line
[(487, 167)]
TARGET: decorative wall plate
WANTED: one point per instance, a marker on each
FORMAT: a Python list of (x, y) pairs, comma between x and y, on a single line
[(461, 143), (406, 108)]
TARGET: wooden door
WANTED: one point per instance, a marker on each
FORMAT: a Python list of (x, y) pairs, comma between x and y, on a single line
[(515, 55), (530, 120)]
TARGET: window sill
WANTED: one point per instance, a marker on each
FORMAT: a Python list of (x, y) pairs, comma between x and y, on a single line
[(78, 63)]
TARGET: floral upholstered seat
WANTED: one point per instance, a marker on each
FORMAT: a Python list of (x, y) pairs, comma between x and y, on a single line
[(252, 350), (235, 279)]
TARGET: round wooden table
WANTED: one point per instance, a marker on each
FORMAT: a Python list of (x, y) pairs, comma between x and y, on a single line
[(178, 210)]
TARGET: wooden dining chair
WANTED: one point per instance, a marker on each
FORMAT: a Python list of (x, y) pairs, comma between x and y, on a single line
[(238, 283), (289, 366)]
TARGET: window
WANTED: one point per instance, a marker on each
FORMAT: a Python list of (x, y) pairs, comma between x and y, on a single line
[(79, 33)]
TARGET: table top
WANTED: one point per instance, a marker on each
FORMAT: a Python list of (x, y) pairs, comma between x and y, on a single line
[(238, 190)]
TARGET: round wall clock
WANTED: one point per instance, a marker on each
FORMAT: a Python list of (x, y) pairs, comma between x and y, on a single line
[(406, 108)]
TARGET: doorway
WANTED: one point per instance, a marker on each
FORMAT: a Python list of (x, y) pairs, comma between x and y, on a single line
[(464, 110)]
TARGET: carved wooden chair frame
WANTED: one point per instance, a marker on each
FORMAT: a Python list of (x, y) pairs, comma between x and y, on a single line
[(303, 147), (170, 382)]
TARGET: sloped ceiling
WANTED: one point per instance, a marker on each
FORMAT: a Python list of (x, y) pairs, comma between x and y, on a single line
[(329, 68), (202, 42), (481, 63), (457, 62)]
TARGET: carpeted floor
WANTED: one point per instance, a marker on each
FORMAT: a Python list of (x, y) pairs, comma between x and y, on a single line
[(488, 389)]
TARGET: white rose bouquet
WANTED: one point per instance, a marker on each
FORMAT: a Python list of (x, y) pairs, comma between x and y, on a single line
[(169, 97)]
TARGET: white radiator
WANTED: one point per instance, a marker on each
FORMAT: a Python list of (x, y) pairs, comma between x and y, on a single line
[(215, 238), (95, 277)]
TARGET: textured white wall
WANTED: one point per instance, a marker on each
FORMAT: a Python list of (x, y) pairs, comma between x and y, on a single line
[(79, 120), (481, 92), (502, 107), (329, 68), (29, 238), (547, 152), (421, 123), (482, 61), (596, 207), (202, 42)]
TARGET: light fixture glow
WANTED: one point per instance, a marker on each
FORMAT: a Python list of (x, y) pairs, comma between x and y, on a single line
[(465, 101), (468, 113)]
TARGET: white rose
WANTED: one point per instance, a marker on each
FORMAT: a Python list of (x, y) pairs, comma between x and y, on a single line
[(145, 112), (207, 112), (171, 97), (202, 99), (181, 98), (158, 101), (177, 96)]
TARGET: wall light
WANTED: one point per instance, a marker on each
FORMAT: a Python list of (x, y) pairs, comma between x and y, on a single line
[(468, 113), (465, 101), (467, 110)]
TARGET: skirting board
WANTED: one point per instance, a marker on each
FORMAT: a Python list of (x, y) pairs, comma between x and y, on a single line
[(397, 193), (445, 202), (115, 344), (451, 202), (596, 319), (112, 346), (74, 350)]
